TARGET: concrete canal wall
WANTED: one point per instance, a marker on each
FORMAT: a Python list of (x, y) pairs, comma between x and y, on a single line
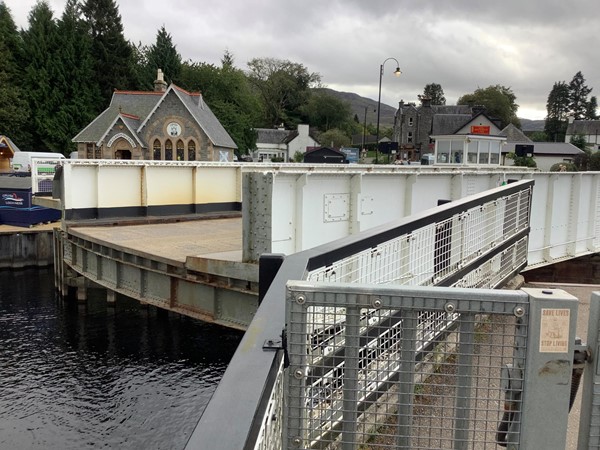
[(25, 247)]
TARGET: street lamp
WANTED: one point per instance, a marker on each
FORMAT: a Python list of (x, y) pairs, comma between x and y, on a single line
[(397, 72)]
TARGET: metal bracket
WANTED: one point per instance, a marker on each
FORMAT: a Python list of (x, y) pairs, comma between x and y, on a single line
[(273, 344)]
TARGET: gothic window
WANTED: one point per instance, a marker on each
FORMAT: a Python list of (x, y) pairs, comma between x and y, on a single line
[(169, 150), (180, 151), (410, 121), (410, 137), (191, 151), (156, 150)]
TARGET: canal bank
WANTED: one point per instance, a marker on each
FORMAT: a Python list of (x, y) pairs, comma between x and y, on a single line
[(26, 247)]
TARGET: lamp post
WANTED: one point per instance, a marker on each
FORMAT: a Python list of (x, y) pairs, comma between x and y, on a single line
[(397, 72)]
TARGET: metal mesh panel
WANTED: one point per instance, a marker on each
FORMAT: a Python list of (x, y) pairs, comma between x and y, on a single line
[(412, 373), (435, 251), (270, 433)]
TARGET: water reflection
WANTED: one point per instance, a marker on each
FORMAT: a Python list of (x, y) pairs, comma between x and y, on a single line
[(75, 377)]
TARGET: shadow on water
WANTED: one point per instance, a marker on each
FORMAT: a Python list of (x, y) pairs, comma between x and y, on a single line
[(94, 376)]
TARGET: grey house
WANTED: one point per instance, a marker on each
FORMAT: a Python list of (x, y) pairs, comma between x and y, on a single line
[(167, 124), (414, 125)]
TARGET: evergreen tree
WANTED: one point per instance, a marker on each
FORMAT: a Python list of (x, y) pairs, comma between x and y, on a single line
[(435, 92), (14, 110), (578, 96), (163, 55), (591, 108), (113, 56), (39, 50), (227, 59), (73, 82), (12, 43), (557, 109)]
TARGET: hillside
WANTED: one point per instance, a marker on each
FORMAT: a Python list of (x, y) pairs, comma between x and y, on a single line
[(386, 120)]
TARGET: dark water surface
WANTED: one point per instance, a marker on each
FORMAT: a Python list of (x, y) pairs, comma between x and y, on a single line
[(77, 377)]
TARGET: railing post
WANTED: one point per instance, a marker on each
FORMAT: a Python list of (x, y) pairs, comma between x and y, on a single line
[(589, 422), (547, 378)]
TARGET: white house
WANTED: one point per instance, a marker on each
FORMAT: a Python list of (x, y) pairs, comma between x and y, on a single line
[(590, 129), (282, 144), (545, 154)]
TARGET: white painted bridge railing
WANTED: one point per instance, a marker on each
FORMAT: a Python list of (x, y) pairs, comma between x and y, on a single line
[(293, 207)]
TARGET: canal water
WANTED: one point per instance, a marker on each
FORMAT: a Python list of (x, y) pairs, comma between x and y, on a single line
[(94, 376)]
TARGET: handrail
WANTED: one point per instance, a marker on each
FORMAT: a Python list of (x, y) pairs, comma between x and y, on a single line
[(248, 380)]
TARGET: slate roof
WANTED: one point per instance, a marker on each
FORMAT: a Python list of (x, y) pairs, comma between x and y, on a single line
[(135, 108), (271, 135), (587, 127), (545, 148), (449, 123), (513, 134)]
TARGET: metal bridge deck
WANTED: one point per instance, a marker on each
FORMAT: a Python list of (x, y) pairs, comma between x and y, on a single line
[(172, 242)]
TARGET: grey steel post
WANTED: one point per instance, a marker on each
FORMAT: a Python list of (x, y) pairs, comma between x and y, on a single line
[(547, 377), (464, 381), (406, 382), (589, 422), (350, 392)]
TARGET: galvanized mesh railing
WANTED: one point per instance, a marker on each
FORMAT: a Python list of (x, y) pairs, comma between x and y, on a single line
[(426, 255), (411, 369)]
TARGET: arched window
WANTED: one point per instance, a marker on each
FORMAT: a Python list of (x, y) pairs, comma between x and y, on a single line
[(156, 150), (168, 150), (180, 151), (191, 151)]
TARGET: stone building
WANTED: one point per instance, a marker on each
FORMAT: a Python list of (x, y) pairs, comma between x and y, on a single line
[(414, 125), (167, 124)]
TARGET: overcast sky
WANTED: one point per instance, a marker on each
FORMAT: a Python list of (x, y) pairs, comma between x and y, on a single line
[(526, 45)]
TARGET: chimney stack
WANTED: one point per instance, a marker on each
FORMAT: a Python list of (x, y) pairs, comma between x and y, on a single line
[(160, 85)]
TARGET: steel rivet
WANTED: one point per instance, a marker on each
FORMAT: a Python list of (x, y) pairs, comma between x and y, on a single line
[(301, 299), (299, 374), (450, 307), (297, 441), (519, 311), (376, 303)]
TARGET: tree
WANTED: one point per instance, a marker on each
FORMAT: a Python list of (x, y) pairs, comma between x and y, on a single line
[(325, 111), (578, 96), (334, 138), (538, 136), (557, 111), (499, 101), (591, 108), (579, 141), (73, 82), (112, 53), (228, 93), (163, 55), (283, 87), (434, 92), (39, 50), (14, 110)]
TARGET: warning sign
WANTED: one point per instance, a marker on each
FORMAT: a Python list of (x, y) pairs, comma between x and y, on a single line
[(554, 330)]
